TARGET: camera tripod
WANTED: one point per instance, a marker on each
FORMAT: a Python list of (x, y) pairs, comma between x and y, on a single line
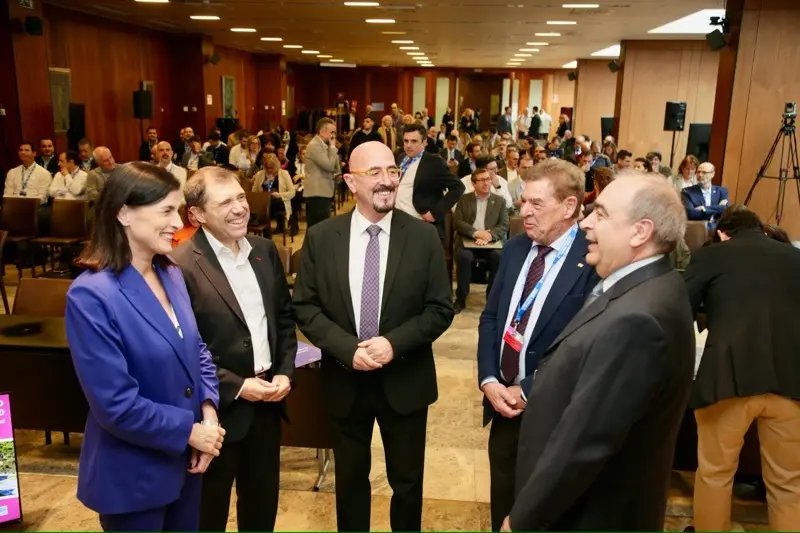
[(788, 142)]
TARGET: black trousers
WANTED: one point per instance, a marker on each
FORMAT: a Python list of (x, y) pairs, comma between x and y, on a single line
[(277, 212), (503, 437), (254, 462), (317, 210), (464, 259), (404, 446)]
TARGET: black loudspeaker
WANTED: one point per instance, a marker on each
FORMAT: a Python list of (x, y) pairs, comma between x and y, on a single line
[(613, 66), (143, 104), (699, 139), (34, 25), (606, 126), (572, 76), (716, 40), (77, 125), (675, 116), (215, 58), (226, 127)]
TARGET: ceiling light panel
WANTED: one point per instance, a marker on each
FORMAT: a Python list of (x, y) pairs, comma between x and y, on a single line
[(611, 51)]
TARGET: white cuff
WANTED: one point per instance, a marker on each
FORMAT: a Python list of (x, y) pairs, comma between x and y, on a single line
[(240, 392), (490, 379)]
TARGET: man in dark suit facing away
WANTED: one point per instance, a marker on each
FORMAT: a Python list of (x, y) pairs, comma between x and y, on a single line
[(373, 294), (750, 369), (427, 189), (552, 250), (243, 310), (606, 401)]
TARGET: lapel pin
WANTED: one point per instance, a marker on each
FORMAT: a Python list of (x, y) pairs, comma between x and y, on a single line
[(580, 265), (258, 258)]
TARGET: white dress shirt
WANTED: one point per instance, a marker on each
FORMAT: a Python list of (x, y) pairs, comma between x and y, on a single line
[(359, 239), (617, 275), (480, 212), (239, 158), (31, 182), (71, 186), (706, 195), (180, 175), (502, 192), (244, 284), (194, 161), (550, 275), (405, 191)]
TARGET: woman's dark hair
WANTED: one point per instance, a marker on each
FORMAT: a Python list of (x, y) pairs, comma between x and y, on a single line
[(136, 184), (737, 218), (776, 233), (647, 166)]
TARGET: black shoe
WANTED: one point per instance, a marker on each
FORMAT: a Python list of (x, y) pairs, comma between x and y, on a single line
[(689, 529), (459, 305)]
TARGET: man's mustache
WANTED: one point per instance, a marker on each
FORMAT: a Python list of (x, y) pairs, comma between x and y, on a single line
[(383, 188)]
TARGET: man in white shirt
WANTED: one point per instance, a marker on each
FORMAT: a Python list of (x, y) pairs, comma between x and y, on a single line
[(164, 156), (545, 125), (523, 124), (239, 156), (376, 341), (243, 309), (499, 185), (70, 182), (511, 175), (29, 179)]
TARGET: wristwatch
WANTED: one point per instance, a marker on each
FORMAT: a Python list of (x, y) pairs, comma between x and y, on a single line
[(212, 423)]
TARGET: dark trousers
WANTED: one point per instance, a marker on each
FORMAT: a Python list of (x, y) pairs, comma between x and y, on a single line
[(255, 464), (297, 207), (464, 259), (503, 438), (317, 210), (180, 515), (277, 212), (404, 446)]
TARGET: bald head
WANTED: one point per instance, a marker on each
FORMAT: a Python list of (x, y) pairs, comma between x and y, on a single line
[(370, 154), (705, 174), (104, 159), (164, 153)]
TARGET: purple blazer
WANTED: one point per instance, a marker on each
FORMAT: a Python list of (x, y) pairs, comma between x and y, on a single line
[(144, 385)]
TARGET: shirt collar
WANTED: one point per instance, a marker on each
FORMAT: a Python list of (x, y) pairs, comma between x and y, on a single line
[(561, 241), (244, 246), (360, 223), (617, 275), (33, 165)]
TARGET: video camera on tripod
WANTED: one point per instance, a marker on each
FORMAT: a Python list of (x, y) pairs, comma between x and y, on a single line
[(790, 111)]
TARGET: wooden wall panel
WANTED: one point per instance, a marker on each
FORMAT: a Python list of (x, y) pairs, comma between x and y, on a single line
[(10, 124), (766, 77), (242, 66), (595, 90), (656, 72), (271, 86), (562, 95)]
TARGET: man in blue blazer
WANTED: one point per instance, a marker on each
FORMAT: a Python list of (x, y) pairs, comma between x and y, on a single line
[(705, 201), (542, 282)]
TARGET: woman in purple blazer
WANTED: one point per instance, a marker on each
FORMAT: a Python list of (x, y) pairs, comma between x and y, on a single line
[(150, 382)]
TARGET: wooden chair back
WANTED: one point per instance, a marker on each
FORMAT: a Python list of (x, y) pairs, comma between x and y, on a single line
[(20, 216), (44, 297), (294, 266), (696, 235), (285, 253), (515, 226), (259, 204), (69, 219)]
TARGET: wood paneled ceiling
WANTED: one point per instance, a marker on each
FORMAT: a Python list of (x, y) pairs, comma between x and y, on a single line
[(455, 33)]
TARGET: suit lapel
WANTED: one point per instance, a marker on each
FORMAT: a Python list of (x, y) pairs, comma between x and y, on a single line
[(209, 265), (263, 269), (571, 270), (492, 213), (516, 263), (341, 254), (141, 297), (397, 242)]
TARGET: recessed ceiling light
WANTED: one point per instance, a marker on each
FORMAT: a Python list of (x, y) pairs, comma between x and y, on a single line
[(337, 60), (422, 59), (409, 48), (393, 32), (561, 22), (310, 52), (204, 17), (361, 4), (523, 55), (416, 53), (153, 1), (324, 56), (538, 43), (276, 39), (528, 49), (292, 46), (244, 30), (698, 22), (547, 34), (380, 21), (402, 42), (581, 6), (611, 51), (571, 64)]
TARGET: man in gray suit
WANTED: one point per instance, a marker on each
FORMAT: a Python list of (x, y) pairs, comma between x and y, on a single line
[(480, 218), (602, 415), (322, 167), (97, 178)]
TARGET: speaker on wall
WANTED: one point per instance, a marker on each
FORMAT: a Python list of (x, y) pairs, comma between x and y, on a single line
[(77, 125), (143, 104), (214, 58), (606, 126), (716, 40), (613, 66), (572, 76), (34, 25), (674, 116), (699, 139)]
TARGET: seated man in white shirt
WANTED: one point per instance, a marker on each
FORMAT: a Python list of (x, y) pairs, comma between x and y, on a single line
[(499, 185), (70, 182), (29, 179), (511, 174), (164, 155)]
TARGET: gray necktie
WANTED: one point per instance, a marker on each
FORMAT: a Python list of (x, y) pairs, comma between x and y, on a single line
[(371, 287), (594, 295)]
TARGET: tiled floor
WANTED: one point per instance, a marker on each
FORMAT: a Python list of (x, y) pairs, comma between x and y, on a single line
[(456, 484)]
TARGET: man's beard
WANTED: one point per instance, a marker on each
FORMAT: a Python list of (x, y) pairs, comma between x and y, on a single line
[(387, 207)]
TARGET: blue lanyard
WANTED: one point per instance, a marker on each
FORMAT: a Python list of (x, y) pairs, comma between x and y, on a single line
[(30, 174), (524, 306), (408, 162)]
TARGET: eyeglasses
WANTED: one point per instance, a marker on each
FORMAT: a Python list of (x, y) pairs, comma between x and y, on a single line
[(483, 180), (375, 173)]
